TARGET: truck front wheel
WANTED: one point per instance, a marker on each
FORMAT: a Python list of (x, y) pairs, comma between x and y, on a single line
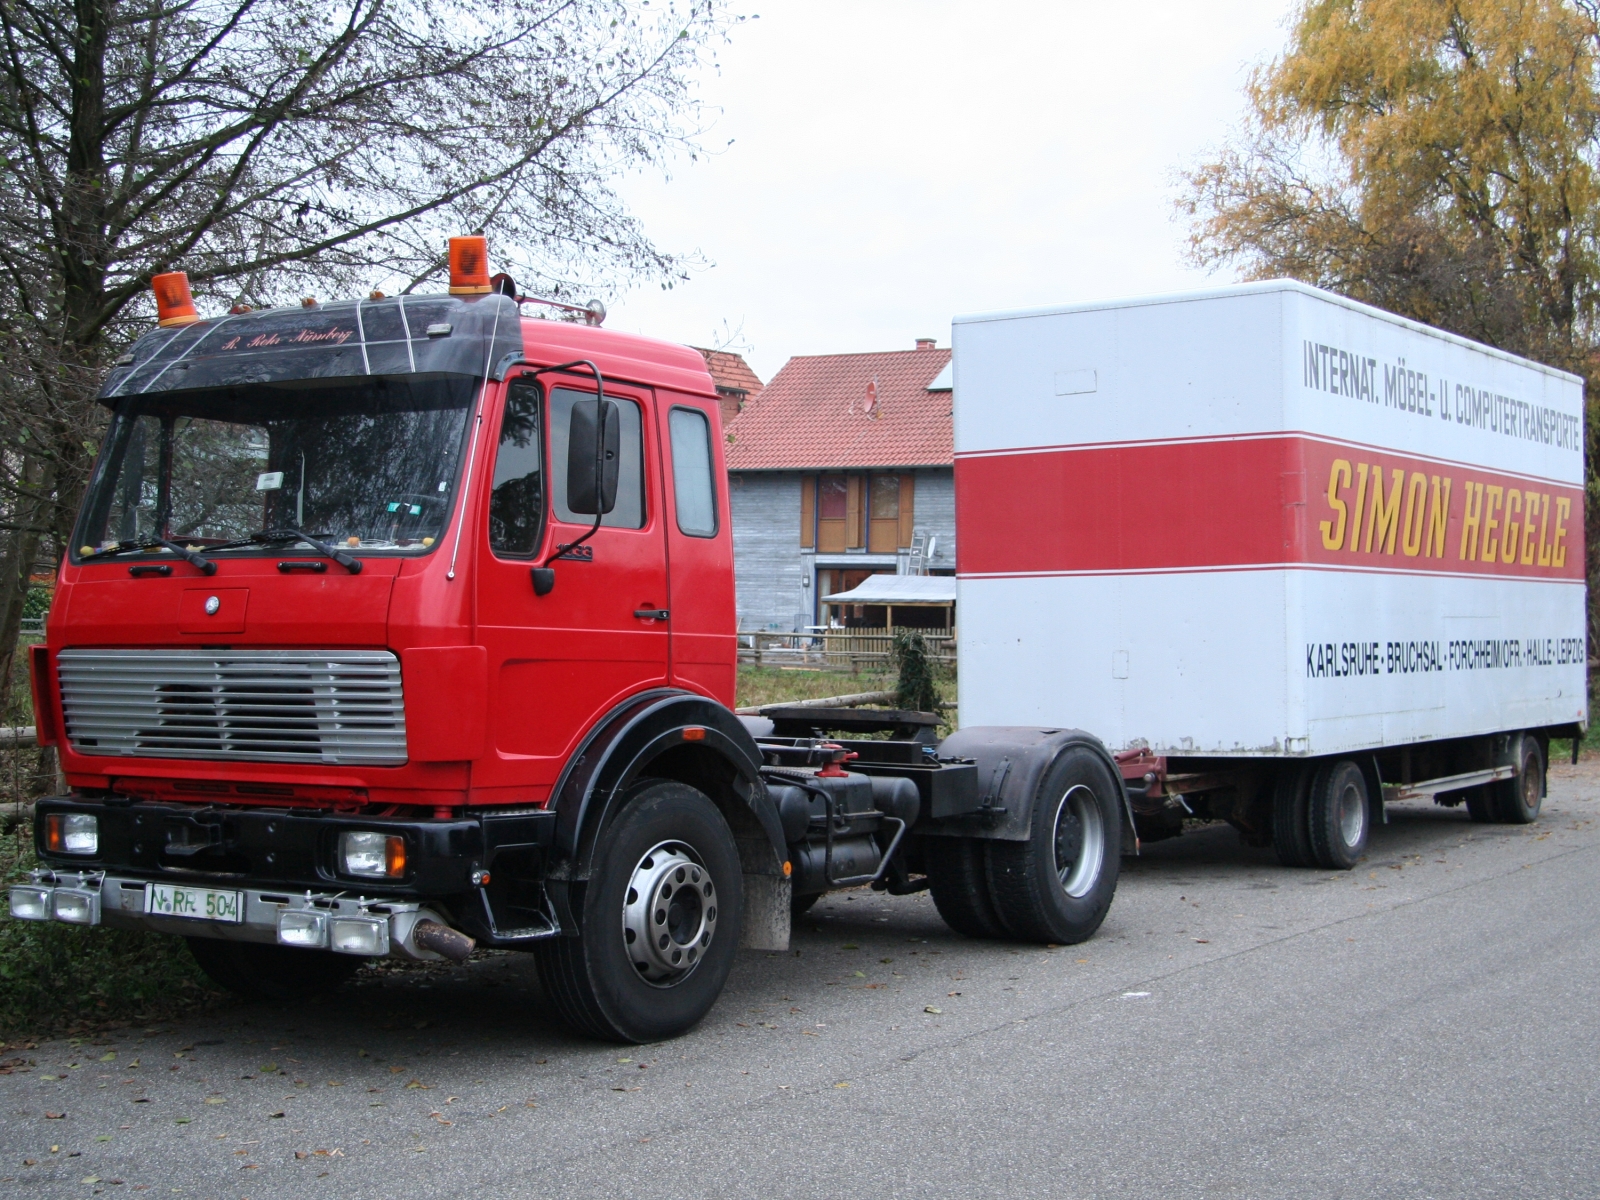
[(659, 924), (1057, 885), (281, 974)]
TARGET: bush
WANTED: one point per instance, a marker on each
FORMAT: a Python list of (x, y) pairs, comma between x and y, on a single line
[(916, 689), (55, 976)]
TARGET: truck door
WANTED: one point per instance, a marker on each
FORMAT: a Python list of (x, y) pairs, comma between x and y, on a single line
[(699, 547), (558, 662)]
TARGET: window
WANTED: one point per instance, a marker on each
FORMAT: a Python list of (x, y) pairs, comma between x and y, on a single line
[(629, 511), (832, 509), (883, 526), (693, 484), (516, 502), (856, 512)]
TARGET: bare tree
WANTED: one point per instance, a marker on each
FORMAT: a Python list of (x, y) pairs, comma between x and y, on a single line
[(269, 147)]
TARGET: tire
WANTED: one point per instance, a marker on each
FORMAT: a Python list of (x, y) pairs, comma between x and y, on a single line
[(799, 906), (1338, 815), (280, 974), (666, 867), (1057, 885), (1517, 800), (1291, 834), (1481, 804), (959, 883)]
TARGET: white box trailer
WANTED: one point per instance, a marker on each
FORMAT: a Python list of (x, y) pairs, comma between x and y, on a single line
[(1264, 525)]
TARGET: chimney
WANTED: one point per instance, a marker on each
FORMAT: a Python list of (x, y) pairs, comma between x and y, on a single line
[(926, 343)]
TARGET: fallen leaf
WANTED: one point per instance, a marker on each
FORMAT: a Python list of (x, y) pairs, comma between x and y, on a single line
[(301, 1154), (952, 993), (104, 1137), (275, 1115), (849, 946), (185, 1120), (269, 1068), (90, 1179), (1203, 941), (845, 1084), (50, 1116), (109, 1056), (931, 1009), (859, 974), (417, 1083)]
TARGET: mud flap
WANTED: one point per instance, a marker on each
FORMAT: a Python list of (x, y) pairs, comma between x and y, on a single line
[(766, 913)]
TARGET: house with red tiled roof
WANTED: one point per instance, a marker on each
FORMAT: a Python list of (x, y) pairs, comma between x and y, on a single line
[(737, 385), (842, 468)]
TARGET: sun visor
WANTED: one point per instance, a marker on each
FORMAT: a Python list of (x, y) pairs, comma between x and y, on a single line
[(401, 335)]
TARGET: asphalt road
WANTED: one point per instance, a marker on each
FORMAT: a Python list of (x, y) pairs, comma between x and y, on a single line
[(1423, 1026)]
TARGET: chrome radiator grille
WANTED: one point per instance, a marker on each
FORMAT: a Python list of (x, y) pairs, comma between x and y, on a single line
[(339, 706)]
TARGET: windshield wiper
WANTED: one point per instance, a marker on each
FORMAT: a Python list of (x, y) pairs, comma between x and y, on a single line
[(156, 543), (290, 534)]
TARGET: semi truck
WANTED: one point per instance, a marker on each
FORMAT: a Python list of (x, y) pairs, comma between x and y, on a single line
[(404, 625), (1288, 555)]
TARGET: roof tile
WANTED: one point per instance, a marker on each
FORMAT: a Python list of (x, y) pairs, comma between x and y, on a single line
[(815, 415)]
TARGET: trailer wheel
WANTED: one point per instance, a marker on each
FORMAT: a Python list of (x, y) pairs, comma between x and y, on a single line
[(959, 883), (1057, 885), (280, 974), (659, 921), (799, 906), (1338, 815), (1517, 800), (1291, 832)]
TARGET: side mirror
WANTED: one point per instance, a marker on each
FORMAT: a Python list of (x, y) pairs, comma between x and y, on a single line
[(594, 452)]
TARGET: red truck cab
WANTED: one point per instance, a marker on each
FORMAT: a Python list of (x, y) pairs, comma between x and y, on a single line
[(403, 625)]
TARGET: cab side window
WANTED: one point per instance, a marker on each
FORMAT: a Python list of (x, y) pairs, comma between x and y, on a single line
[(629, 512), (516, 502), (692, 480)]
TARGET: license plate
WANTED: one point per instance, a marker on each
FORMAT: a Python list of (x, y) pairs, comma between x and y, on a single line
[(203, 904)]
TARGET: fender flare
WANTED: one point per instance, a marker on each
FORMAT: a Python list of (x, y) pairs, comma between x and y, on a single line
[(1013, 762), (619, 750)]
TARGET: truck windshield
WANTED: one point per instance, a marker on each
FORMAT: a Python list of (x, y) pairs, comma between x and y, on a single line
[(370, 463)]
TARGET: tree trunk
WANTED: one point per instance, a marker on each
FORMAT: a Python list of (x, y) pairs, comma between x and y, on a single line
[(32, 518)]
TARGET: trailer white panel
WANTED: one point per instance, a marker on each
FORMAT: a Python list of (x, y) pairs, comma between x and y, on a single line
[(1263, 521)]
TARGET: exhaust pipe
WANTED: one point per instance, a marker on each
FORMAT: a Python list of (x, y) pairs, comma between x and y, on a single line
[(443, 940)]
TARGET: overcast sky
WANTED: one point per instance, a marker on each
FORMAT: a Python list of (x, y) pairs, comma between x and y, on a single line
[(895, 162)]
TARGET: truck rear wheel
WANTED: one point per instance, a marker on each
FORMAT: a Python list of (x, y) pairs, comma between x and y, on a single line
[(959, 884), (659, 921), (1291, 835), (1516, 801), (281, 974), (1057, 885), (1338, 816)]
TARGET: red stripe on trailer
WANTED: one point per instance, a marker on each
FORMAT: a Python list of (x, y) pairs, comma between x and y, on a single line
[(1260, 502)]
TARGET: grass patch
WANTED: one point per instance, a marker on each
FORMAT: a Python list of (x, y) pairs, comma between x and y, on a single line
[(58, 978)]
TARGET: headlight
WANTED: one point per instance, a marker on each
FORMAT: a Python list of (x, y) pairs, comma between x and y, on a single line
[(297, 927), (30, 903), (75, 907), (372, 855), (359, 935), (72, 833)]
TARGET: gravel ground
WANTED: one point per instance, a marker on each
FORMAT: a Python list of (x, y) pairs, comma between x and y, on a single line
[(1422, 1026)]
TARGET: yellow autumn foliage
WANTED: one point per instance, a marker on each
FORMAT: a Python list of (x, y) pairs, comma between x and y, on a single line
[(1434, 157)]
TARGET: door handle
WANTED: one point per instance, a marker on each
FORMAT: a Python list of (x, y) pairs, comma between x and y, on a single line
[(651, 614)]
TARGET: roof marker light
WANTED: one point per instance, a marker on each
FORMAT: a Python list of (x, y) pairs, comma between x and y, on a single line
[(469, 266), (174, 304)]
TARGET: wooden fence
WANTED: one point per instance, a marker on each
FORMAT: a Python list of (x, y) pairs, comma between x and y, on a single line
[(836, 649)]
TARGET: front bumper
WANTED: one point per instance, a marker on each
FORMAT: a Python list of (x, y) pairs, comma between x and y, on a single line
[(485, 870), (362, 925)]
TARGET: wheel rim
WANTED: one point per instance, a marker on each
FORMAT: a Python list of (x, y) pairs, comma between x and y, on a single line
[(1530, 785), (669, 914), (1352, 814), (1080, 841)]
